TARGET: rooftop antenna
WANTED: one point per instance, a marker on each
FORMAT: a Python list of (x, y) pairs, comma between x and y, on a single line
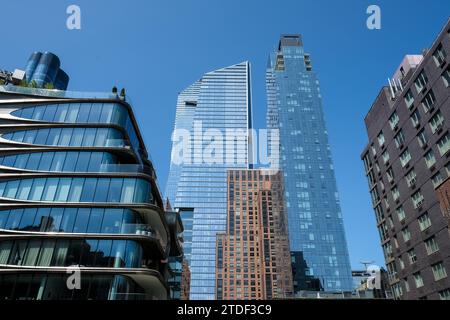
[(366, 263)]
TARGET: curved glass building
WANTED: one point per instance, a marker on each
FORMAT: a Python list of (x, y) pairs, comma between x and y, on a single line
[(78, 197), (44, 68)]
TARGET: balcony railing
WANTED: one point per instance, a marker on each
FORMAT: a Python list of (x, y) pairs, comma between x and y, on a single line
[(143, 230), (58, 93)]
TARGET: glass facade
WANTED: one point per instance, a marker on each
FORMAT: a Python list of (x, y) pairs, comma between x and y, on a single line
[(93, 287), (78, 190), (68, 189), (44, 68), (314, 216), (219, 101), (104, 113), (69, 137), (76, 220), (61, 161)]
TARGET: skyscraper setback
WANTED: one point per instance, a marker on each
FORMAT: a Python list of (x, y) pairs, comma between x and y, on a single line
[(219, 102), (316, 229)]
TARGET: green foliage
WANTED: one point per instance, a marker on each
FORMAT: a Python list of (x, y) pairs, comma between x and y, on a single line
[(2, 82), (23, 83), (33, 84), (49, 86)]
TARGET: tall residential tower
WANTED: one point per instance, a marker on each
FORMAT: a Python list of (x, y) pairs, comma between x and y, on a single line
[(316, 229), (253, 259), (407, 166)]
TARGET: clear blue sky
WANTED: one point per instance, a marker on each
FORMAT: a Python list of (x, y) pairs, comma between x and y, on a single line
[(157, 48)]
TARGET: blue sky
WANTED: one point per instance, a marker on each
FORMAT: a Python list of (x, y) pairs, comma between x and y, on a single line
[(157, 48)]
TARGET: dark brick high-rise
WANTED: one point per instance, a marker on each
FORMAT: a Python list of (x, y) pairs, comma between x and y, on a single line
[(406, 160)]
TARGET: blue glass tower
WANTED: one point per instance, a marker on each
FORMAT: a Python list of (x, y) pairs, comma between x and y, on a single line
[(44, 68), (218, 102), (315, 221)]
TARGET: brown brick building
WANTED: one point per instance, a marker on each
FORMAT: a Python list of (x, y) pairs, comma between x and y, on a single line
[(252, 257), (406, 160)]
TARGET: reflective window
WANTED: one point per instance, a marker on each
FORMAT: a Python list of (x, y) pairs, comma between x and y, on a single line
[(91, 137), (128, 190), (109, 113), (76, 220)]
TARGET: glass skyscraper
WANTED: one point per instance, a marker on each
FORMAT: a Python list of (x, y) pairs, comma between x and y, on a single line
[(77, 190), (219, 102), (314, 216)]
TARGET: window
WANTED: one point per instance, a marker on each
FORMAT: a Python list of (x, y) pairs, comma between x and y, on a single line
[(411, 178), (424, 222), (78, 137), (409, 99), (399, 139), (367, 162), (415, 119), (406, 234), (101, 192), (394, 120), (446, 77), (390, 174), (421, 81), (401, 214), (428, 101), (398, 291), (437, 179), (431, 246), (381, 139), (95, 221), (444, 144), (405, 157), (422, 138), (418, 280), (417, 199), (395, 194), (402, 263), (78, 190), (439, 271), (385, 157), (436, 122), (430, 159), (386, 202), (444, 295), (379, 213), (374, 151), (439, 56), (407, 288), (377, 167)]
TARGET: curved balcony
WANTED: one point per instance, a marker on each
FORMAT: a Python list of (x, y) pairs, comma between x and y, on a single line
[(77, 190), (50, 283), (89, 250), (141, 220), (67, 137)]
